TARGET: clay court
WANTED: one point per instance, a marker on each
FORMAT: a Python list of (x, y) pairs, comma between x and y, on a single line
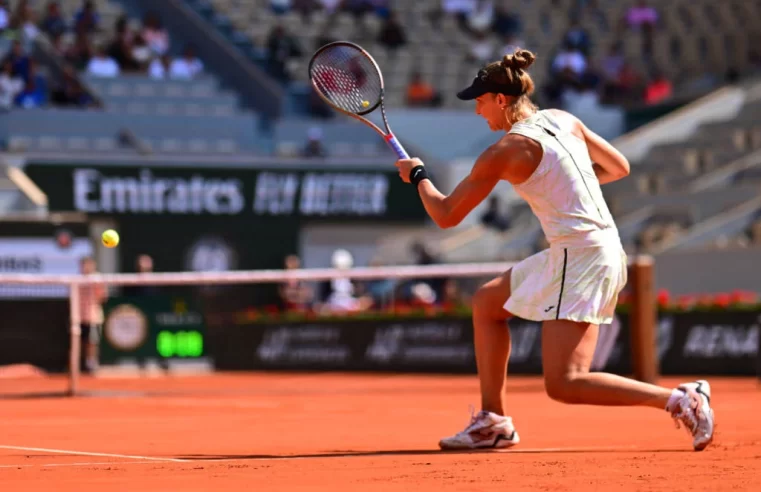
[(335, 432)]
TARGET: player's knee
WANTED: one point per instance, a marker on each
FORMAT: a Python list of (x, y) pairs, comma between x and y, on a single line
[(560, 387), (481, 299), (487, 303)]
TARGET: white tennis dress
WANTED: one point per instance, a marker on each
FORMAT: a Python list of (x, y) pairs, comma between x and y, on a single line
[(581, 274)]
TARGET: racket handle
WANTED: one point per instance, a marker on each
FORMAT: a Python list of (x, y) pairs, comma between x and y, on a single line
[(394, 143)]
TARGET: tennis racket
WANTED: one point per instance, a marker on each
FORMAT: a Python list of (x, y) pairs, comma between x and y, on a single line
[(348, 79)]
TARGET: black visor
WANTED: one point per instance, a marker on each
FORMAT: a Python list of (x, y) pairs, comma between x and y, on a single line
[(481, 86)]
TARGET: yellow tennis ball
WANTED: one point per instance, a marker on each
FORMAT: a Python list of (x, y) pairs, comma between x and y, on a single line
[(110, 238), (365, 104)]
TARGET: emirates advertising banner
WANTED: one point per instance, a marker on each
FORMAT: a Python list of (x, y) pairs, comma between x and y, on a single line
[(307, 193)]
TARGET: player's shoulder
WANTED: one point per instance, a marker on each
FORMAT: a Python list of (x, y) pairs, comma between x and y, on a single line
[(563, 118)]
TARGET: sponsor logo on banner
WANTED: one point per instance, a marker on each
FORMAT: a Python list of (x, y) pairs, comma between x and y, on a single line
[(319, 194), (274, 193), (40, 255), (303, 344), (421, 343), (148, 194), (126, 328), (722, 340)]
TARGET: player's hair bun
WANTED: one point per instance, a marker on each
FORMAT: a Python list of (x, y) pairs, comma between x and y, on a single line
[(520, 60)]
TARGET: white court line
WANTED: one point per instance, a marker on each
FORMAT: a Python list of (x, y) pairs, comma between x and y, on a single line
[(88, 453), (142, 460), (94, 463)]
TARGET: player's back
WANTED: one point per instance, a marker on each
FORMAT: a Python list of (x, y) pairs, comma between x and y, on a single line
[(564, 192)]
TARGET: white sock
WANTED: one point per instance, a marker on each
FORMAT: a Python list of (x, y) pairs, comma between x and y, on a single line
[(676, 395)]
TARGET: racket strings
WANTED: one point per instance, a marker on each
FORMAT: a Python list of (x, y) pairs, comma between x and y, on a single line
[(347, 78)]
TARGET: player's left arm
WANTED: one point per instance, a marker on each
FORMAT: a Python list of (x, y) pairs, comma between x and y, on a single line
[(449, 210)]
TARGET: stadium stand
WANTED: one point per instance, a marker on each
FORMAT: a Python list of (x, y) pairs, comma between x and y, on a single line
[(188, 113), (691, 42)]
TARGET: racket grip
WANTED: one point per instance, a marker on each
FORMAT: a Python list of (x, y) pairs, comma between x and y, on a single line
[(394, 143)]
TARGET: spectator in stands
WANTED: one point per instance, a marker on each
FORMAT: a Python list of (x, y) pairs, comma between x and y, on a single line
[(39, 87), (154, 34), (11, 85), (330, 6), (314, 147), (481, 18), (80, 53), (613, 63), (54, 24), (281, 47), (101, 65), (187, 67), (143, 264), (295, 295), (493, 218), (391, 34), (578, 37), (159, 67), (505, 22), (569, 58), (87, 19), (340, 293), (91, 299), (459, 9), (19, 60), (421, 94), (641, 15), (280, 7), (482, 48), (422, 256), (142, 53), (27, 23), (658, 89), (644, 18), (5, 18), (121, 46), (68, 91)]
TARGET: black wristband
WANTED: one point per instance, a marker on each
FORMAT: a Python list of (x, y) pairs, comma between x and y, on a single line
[(418, 174)]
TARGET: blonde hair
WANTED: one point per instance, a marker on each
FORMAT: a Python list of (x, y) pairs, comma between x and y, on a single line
[(511, 72)]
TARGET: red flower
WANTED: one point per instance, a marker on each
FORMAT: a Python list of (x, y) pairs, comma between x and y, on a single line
[(663, 297), (722, 300)]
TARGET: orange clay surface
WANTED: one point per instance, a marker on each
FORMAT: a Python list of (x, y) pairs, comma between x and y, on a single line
[(340, 432)]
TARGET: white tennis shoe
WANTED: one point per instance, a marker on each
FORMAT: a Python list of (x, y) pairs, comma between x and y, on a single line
[(695, 413), (485, 430)]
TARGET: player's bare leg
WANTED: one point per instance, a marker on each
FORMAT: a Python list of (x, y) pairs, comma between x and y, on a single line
[(491, 338), (567, 351), (489, 428)]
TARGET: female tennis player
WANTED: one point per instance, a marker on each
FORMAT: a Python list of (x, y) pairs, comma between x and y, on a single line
[(557, 165)]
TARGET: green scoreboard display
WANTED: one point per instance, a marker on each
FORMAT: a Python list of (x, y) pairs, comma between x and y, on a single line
[(141, 329)]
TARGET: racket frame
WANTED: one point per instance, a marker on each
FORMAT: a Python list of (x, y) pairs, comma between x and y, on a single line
[(388, 135)]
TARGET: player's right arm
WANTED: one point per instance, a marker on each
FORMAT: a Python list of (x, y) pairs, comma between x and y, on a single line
[(609, 164)]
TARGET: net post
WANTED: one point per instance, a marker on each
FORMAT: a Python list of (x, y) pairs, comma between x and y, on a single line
[(75, 332), (644, 320)]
